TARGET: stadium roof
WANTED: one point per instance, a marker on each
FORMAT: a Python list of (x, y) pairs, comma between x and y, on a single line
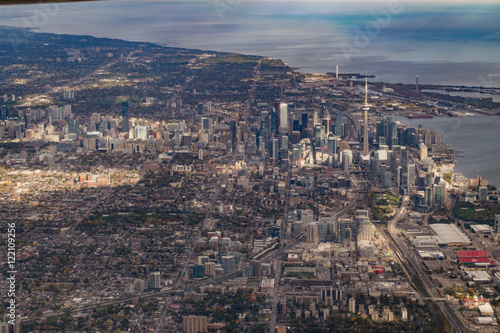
[(473, 257), (449, 234), (472, 254)]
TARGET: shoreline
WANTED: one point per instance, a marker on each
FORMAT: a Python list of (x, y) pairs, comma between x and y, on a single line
[(323, 71), (294, 70), (461, 150)]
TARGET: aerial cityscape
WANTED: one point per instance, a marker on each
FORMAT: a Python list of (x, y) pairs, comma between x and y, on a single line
[(153, 188)]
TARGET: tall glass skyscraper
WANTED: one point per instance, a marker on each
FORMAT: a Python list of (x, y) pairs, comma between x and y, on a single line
[(125, 117), (338, 124)]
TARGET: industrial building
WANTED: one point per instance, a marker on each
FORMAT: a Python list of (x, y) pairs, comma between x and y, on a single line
[(482, 230), (450, 235)]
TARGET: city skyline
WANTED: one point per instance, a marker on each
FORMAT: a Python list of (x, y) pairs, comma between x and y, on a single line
[(186, 189)]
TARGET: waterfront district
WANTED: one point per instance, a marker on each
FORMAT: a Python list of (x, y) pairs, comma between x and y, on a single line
[(170, 190)]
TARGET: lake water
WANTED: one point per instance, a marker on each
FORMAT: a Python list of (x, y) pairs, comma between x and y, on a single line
[(477, 136), (443, 43), (495, 98)]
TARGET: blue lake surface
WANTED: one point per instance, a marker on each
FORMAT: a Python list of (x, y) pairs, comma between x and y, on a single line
[(478, 137), (443, 43)]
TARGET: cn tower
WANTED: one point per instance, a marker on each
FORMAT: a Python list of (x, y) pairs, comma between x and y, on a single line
[(366, 107)]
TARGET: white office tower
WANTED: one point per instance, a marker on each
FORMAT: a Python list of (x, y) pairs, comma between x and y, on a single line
[(284, 142), (275, 148), (346, 159), (141, 132), (444, 185), (352, 305), (315, 118), (428, 139), (283, 115), (411, 175), (154, 280), (398, 175), (423, 151)]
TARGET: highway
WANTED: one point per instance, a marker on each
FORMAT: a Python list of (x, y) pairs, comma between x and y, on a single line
[(156, 294)]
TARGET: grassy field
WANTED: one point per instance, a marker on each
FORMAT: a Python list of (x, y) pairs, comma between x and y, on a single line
[(300, 274), (382, 204), (479, 214)]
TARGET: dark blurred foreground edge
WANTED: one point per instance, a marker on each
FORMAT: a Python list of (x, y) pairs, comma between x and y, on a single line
[(25, 2)]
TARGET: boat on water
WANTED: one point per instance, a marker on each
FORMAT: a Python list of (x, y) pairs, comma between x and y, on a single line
[(417, 116)]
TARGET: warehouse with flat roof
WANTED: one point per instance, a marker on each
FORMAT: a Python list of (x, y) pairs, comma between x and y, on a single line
[(482, 230), (449, 235)]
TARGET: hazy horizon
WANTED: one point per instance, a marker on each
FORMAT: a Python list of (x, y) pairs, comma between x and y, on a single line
[(461, 40)]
